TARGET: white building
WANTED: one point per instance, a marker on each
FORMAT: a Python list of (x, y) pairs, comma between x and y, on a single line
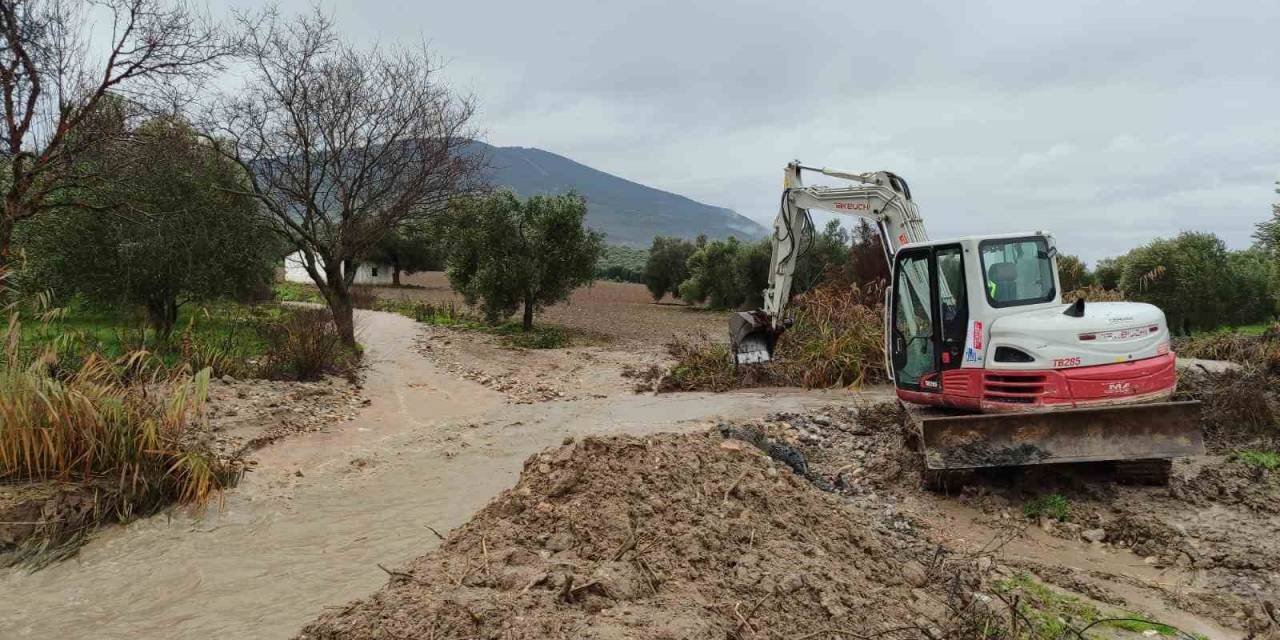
[(295, 270)]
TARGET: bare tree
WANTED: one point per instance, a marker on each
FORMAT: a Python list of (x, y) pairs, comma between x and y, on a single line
[(56, 71), (341, 145)]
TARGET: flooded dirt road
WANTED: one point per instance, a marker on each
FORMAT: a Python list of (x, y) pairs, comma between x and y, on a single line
[(309, 527)]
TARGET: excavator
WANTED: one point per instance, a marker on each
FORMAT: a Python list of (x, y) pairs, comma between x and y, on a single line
[(996, 370)]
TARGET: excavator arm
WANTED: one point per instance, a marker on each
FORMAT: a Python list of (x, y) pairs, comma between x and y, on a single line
[(882, 197)]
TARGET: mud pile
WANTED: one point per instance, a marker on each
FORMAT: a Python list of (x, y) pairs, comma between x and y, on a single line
[(671, 536), (1210, 531)]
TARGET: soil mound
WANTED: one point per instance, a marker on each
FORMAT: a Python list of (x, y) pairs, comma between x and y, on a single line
[(671, 536)]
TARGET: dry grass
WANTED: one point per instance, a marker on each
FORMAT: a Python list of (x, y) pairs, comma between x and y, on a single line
[(363, 297), (305, 345), (117, 427), (1238, 408), (1094, 293), (1257, 351)]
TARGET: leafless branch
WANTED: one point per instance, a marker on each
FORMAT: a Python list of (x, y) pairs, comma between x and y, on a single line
[(341, 145), (55, 75)]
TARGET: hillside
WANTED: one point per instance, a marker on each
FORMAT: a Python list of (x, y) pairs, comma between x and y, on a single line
[(630, 213)]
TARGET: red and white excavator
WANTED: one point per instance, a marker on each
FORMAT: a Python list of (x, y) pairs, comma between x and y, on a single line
[(977, 326)]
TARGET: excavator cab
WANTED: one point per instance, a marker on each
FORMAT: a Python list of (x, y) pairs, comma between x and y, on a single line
[(978, 326)]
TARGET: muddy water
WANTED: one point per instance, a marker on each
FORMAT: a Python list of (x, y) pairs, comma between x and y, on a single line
[(308, 529)]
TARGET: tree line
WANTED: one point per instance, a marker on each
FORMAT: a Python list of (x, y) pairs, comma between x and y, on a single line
[(1199, 283), (126, 180), (731, 274)]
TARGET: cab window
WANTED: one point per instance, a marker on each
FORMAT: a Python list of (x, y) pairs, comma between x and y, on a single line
[(1018, 271)]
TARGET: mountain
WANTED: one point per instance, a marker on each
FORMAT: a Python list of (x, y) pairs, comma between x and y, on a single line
[(628, 212)]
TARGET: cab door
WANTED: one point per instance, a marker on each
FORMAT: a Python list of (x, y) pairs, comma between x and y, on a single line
[(914, 343)]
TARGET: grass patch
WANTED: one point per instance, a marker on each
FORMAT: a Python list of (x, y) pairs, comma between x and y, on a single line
[(1054, 505), (262, 341), (446, 314), (297, 292), (539, 337), (1047, 613), (1269, 460), (221, 335)]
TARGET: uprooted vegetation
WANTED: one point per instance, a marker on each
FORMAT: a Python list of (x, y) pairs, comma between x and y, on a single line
[(836, 341), (1238, 407), (1260, 352)]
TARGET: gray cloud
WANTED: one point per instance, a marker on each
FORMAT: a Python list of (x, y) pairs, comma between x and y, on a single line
[(1108, 123)]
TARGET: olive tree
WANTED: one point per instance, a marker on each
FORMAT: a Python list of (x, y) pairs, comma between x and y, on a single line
[(506, 254), (341, 145), (666, 266), (167, 229), (717, 273), (408, 249)]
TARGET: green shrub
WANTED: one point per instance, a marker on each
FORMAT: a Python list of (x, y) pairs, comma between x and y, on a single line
[(540, 337), (297, 292), (1197, 282), (1269, 460), (1054, 506)]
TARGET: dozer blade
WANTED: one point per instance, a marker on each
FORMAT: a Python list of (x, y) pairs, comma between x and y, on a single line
[(1129, 432)]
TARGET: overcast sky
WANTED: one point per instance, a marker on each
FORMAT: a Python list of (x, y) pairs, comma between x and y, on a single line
[(1106, 123)]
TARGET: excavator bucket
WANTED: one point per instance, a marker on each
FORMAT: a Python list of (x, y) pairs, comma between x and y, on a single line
[(1162, 430), (752, 337)]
